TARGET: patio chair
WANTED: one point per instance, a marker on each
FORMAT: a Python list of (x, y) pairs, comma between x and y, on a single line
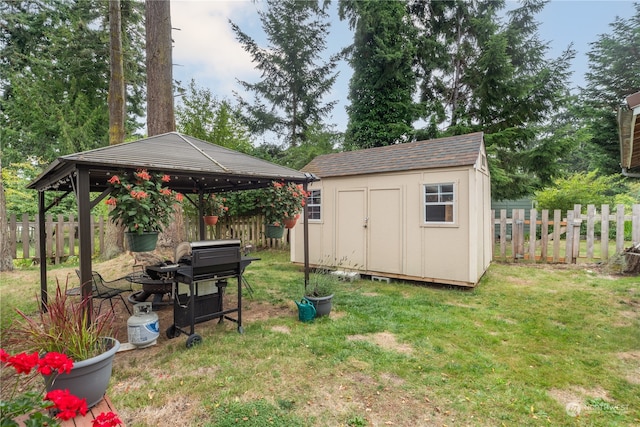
[(108, 290)]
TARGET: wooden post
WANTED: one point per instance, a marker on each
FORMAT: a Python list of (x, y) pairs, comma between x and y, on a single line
[(604, 232), (557, 225), (544, 234), (591, 215), (619, 228), (533, 229)]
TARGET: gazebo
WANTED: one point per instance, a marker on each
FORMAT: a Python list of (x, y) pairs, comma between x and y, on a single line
[(196, 167)]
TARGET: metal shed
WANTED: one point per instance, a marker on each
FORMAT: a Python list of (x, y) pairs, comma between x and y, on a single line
[(195, 166), (418, 211)]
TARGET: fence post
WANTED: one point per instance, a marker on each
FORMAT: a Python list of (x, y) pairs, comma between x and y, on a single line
[(533, 228), (604, 232), (568, 257), (620, 228), (59, 228), (557, 227), (26, 238), (503, 233), (591, 214), (577, 222), (635, 224), (544, 234)]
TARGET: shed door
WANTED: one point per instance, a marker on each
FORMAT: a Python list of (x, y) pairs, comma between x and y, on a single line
[(350, 232), (385, 230)]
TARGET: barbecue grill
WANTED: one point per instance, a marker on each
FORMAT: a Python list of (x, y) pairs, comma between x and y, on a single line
[(201, 280)]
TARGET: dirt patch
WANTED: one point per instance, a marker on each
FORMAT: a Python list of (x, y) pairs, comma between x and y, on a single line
[(386, 340), (574, 398), (632, 360)]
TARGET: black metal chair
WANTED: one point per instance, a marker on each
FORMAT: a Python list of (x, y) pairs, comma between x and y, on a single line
[(108, 290)]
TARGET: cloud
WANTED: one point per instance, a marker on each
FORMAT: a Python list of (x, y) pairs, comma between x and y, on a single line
[(205, 47)]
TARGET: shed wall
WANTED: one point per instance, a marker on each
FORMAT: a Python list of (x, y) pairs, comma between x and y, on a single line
[(375, 224)]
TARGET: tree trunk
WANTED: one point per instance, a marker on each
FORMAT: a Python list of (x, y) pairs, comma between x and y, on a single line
[(114, 239), (6, 258), (160, 113)]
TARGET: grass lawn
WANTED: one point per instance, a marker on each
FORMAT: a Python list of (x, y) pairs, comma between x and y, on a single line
[(530, 346)]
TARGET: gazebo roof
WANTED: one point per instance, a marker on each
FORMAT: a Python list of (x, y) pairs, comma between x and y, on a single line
[(193, 164)]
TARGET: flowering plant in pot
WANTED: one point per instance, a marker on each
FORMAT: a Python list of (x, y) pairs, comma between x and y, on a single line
[(65, 328), (142, 203), (214, 207), (35, 408), (282, 201)]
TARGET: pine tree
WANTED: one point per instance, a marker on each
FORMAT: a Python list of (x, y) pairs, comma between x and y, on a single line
[(289, 98), (383, 83), (478, 74)]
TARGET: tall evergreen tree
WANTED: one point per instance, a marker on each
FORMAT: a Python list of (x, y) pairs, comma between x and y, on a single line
[(53, 74), (614, 73), (289, 98), (381, 89), (482, 75)]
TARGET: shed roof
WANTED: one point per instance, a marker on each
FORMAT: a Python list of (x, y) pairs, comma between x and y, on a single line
[(459, 150), (193, 164)]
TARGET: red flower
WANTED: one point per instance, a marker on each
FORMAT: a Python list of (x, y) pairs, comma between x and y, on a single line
[(68, 404), (111, 202), (4, 356), (166, 178), (52, 362), (165, 192), (114, 180), (179, 197), (23, 363), (107, 419)]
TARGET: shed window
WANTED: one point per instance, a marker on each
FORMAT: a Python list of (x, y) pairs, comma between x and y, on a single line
[(439, 202), (314, 205)]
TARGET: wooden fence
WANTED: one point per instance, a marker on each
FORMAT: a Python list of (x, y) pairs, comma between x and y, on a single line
[(551, 237), (62, 237)]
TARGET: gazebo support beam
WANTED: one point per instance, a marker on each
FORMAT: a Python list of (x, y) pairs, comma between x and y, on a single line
[(84, 236)]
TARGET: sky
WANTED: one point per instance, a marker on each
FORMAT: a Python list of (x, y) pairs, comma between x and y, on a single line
[(205, 48)]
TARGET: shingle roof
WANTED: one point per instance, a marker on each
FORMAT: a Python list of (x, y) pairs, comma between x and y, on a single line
[(460, 150), (190, 160)]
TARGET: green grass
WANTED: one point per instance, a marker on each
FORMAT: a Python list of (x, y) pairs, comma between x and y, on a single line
[(517, 350)]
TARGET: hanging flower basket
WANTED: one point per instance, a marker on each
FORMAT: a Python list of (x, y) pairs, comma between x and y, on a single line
[(274, 231), (142, 242), (210, 219)]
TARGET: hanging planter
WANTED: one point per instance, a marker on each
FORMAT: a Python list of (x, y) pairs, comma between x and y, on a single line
[(142, 242), (274, 231), (290, 222), (210, 219)]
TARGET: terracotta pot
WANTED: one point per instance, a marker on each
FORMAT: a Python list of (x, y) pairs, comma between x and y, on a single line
[(289, 222), (210, 219)]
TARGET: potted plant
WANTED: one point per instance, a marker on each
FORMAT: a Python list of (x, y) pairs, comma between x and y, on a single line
[(320, 290), (143, 205), (65, 328), (35, 408), (281, 205), (214, 208)]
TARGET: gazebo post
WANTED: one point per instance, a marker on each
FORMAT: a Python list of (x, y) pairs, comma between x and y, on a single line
[(305, 224), (84, 237), (42, 248)]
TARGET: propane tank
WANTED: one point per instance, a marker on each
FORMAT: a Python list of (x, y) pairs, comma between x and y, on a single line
[(143, 327)]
